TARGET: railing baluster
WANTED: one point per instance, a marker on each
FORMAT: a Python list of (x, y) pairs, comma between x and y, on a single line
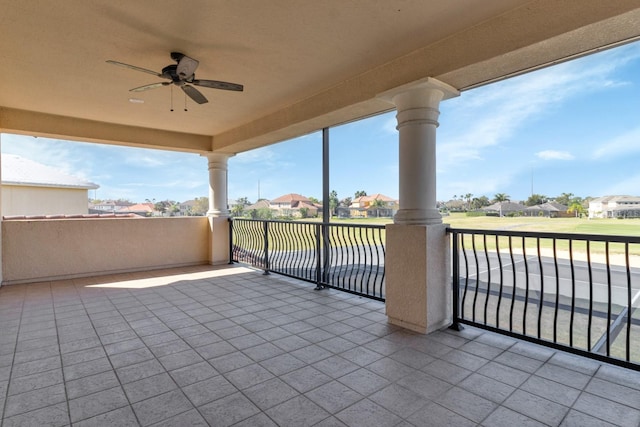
[(486, 255), (590, 296), (266, 248), (501, 283), (541, 299), (475, 295), (466, 276), (456, 281), (629, 301), (609, 296), (557, 304), (526, 287), (573, 293), (513, 286)]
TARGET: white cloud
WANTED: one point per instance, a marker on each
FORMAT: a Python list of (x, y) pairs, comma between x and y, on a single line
[(554, 155), (490, 115), (628, 186), (622, 145)]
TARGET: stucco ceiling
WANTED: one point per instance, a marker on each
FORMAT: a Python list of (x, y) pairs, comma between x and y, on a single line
[(304, 64)]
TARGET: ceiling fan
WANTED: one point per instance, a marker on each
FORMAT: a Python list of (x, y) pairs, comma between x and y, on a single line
[(181, 74)]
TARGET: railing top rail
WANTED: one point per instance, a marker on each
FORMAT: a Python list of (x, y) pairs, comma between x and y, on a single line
[(329, 224), (549, 235)]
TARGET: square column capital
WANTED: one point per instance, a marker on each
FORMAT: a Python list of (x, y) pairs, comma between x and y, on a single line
[(427, 92)]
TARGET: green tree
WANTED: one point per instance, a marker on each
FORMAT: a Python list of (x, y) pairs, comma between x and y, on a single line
[(468, 197), (304, 212), (333, 201), (378, 204), (565, 199), (244, 201), (346, 202), (359, 193), (480, 202), (237, 210), (162, 206), (200, 206), (536, 199), (314, 200), (501, 198), (577, 208)]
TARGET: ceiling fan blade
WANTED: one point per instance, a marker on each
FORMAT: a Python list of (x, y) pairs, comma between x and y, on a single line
[(133, 67), (147, 87), (194, 94), (214, 84), (186, 67)]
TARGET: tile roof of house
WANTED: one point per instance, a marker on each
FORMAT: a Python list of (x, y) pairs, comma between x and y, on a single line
[(291, 197), (548, 206), (260, 204), (139, 207), (505, 207), (616, 199), (75, 216), (17, 170), (373, 197)]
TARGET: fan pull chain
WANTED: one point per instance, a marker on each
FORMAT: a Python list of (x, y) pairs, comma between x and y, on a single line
[(172, 98), (185, 102)]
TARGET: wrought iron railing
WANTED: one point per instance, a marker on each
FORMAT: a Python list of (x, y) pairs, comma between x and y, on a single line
[(575, 292), (349, 257)]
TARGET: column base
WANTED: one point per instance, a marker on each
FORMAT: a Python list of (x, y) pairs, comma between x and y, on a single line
[(218, 240), (418, 217), (418, 277)]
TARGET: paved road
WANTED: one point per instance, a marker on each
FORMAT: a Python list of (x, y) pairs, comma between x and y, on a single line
[(530, 267)]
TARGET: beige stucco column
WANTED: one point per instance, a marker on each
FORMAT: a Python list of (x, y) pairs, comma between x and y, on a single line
[(417, 262), (1, 245), (218, 212)]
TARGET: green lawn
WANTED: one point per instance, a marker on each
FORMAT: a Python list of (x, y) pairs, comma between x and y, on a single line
[(622, 227)]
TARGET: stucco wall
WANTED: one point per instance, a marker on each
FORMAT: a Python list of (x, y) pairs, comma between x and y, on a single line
[(51, 249), (23, 200)]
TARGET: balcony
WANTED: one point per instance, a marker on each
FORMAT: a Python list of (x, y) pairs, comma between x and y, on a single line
[(229, 346)]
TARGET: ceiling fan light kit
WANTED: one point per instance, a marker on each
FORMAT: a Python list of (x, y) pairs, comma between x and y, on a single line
[(181, 74)]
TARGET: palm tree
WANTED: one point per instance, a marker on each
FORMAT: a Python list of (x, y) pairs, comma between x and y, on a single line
[(468, 197), (577, 208), (378, 203), (500, 198)]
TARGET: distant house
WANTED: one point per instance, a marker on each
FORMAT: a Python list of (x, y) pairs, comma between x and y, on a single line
[(615, 207), (187, 207), (504, 209), (289, 205), (549, 210), (294, 205), (111, 206), (31, 188), (140, 209), (374, 206)]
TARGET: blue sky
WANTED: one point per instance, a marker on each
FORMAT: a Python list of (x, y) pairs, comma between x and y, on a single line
[(574, 127)]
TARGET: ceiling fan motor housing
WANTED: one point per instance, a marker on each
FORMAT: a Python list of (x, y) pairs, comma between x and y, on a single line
[(170, 72)]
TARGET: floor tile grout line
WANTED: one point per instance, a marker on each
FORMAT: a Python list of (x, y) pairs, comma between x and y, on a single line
[(15, 347)]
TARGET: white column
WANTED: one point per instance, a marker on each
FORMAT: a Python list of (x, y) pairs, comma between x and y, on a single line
[(417, 261), (218, 184), (1, 267), (417, 116), (218, 213)]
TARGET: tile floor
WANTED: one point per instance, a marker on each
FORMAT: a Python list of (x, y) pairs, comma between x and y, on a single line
[(228, 346)]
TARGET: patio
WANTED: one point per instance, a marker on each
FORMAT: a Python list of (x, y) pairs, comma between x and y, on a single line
[(228, 346)]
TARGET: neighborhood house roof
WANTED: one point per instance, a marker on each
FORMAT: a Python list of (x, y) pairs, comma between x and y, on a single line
[(617, 199), (20, 171), (504, 207), (549, 207), (373, 197), (291, 197)]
